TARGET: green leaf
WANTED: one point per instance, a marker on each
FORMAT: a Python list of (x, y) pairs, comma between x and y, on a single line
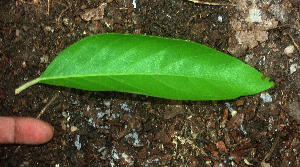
[(160, 67)]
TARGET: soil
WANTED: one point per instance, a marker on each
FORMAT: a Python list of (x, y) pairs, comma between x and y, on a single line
[(124, 129)]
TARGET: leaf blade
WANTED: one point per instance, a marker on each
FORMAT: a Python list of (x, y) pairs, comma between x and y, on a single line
[(160, 67)]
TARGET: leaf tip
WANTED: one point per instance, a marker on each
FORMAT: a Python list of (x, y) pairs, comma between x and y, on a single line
[(270, 82)]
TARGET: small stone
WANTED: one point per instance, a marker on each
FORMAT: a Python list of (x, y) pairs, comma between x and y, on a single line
[(293, 68), (266, 97), (254, 16), (289, 50)]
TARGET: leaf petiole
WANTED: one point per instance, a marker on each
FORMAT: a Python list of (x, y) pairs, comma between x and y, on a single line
[(26, 85)]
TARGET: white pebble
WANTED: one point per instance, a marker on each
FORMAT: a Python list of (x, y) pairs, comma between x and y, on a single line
[(293, 68), (220, 19), (266, 97), (289, 50)]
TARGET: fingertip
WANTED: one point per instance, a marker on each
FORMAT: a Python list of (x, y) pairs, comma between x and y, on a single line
[(32, 131)]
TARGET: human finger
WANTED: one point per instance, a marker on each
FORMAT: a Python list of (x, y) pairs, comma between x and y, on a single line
[(24, 130)]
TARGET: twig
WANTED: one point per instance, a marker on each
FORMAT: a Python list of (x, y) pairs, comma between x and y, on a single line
[(67, 7), (271, 150), (48, 8), (30, 3), (297, 46), (212, 3), (47, 105)]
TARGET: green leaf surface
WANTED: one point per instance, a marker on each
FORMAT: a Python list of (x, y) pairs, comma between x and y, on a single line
[(160, 67)]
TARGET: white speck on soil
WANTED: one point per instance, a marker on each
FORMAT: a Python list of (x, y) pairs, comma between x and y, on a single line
[(77, 143), (254, 15), (220, 19), (289, 50), (293, 68), (266, 97)]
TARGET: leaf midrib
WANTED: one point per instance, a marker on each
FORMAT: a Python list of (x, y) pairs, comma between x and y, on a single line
[(123, 74), (109, 75)]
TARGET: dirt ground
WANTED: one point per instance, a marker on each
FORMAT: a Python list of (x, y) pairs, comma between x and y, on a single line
[(123, 129)]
